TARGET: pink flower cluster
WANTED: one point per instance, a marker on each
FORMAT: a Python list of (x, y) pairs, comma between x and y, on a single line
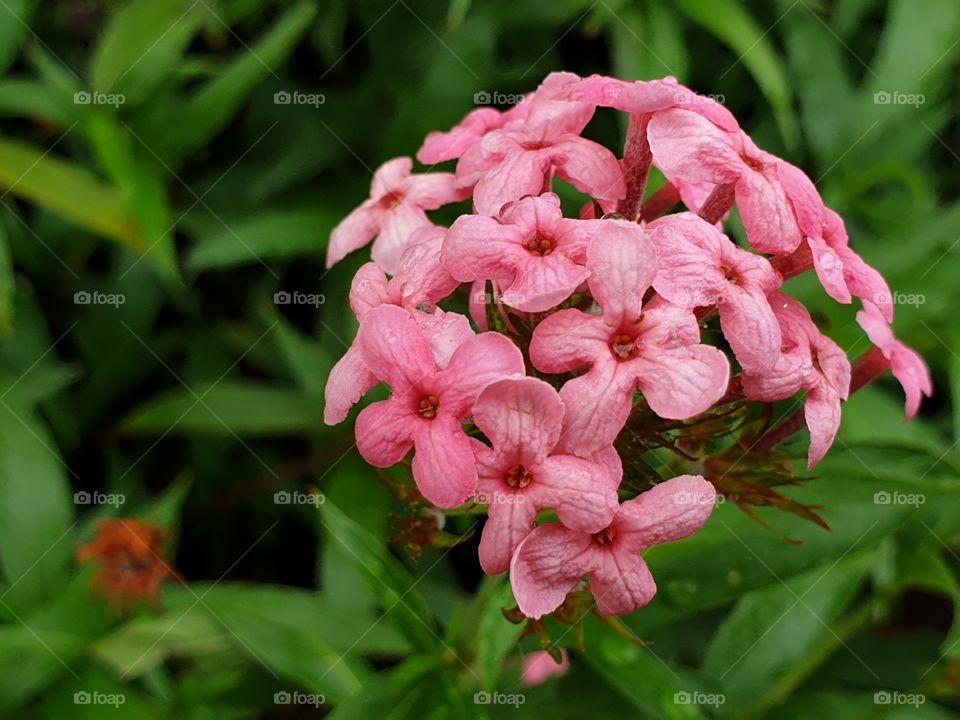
[(613, 300)]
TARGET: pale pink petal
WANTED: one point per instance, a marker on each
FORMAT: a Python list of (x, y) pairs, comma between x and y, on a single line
[(781, 381), (589, 167), (689, 260), (522, 417), (443, 464), (623, 263), (912, 373), (389, 177), (609, 459), (477, 304), (349, 380), (543, 282), (483, 248), (687, 146), (441, 146), (802, 193), (822, 413), (521, 173), (579, 491), (620, 581), (603, 397), (865, 282), (353, 232), (445, 331), (539, 666), (396, 229), (474, 365), (830, 270), (599, 90), (384, 432), (421, 277), (682, 382), (432, 190), (395, 349), (368, 290), (654, 95), (668, 511), (547, 565), (569, 339), (833, 364), (751, 328), (510, 519), (766, 212)]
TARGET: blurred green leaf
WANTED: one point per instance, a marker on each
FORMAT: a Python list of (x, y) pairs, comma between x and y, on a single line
[(26, 98), (14, 27), (6, 285), (69, 190), (269, 235), (228, 407)]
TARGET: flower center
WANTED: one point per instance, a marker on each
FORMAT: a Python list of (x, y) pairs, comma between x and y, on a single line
[(752, 162), (518, 477), (390, 200), (605, 536), (623, 345), (540, 245), (428, 406), (731, 275), (534, 144)]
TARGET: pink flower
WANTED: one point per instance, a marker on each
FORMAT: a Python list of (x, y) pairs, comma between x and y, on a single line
[(654, 348), (524, 473), (531, 251), (691, 149), (428, 401), (520, 158), (394, 210), (810, 361), (553, 558), (907, 366), (539, 666), (699, 266), (441, 146), (420, 281)]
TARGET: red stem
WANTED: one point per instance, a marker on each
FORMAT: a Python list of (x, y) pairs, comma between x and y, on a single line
[(636, 166), (661, 201), (718, 204)]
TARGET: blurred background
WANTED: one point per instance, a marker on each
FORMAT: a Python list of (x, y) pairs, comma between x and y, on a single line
[(168, 166)]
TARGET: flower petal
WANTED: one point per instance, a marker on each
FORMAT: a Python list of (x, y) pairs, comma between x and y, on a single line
[(751, 328), (396, 228), (589, 167), (474, 365), (687, 146), (579, 490), (623, 264), (443, 464), (395, 349), (352, 233), (384, 432), (521, 173), (569, 339), (668, 511), (621, 581), (547, 565), (349, 381), (682, 382), (522, 417), (508, 523), (603, 398), (822, 413)]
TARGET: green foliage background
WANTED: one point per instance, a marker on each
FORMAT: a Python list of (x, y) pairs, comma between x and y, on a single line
[(198, 398)]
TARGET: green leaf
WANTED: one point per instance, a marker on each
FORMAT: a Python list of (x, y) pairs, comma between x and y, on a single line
[(227, 408), (269, 235), (141, 44), (207, 112), (733, 25), (776, 631), (308, 361), (390, 582), (35, 507), (7, 286), (495, 635), (68, 190), (27, 98), (13, 29)]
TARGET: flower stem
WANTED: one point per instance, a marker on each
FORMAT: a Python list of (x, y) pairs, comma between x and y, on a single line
[(636, 166), (661, 201), (718, 204)]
